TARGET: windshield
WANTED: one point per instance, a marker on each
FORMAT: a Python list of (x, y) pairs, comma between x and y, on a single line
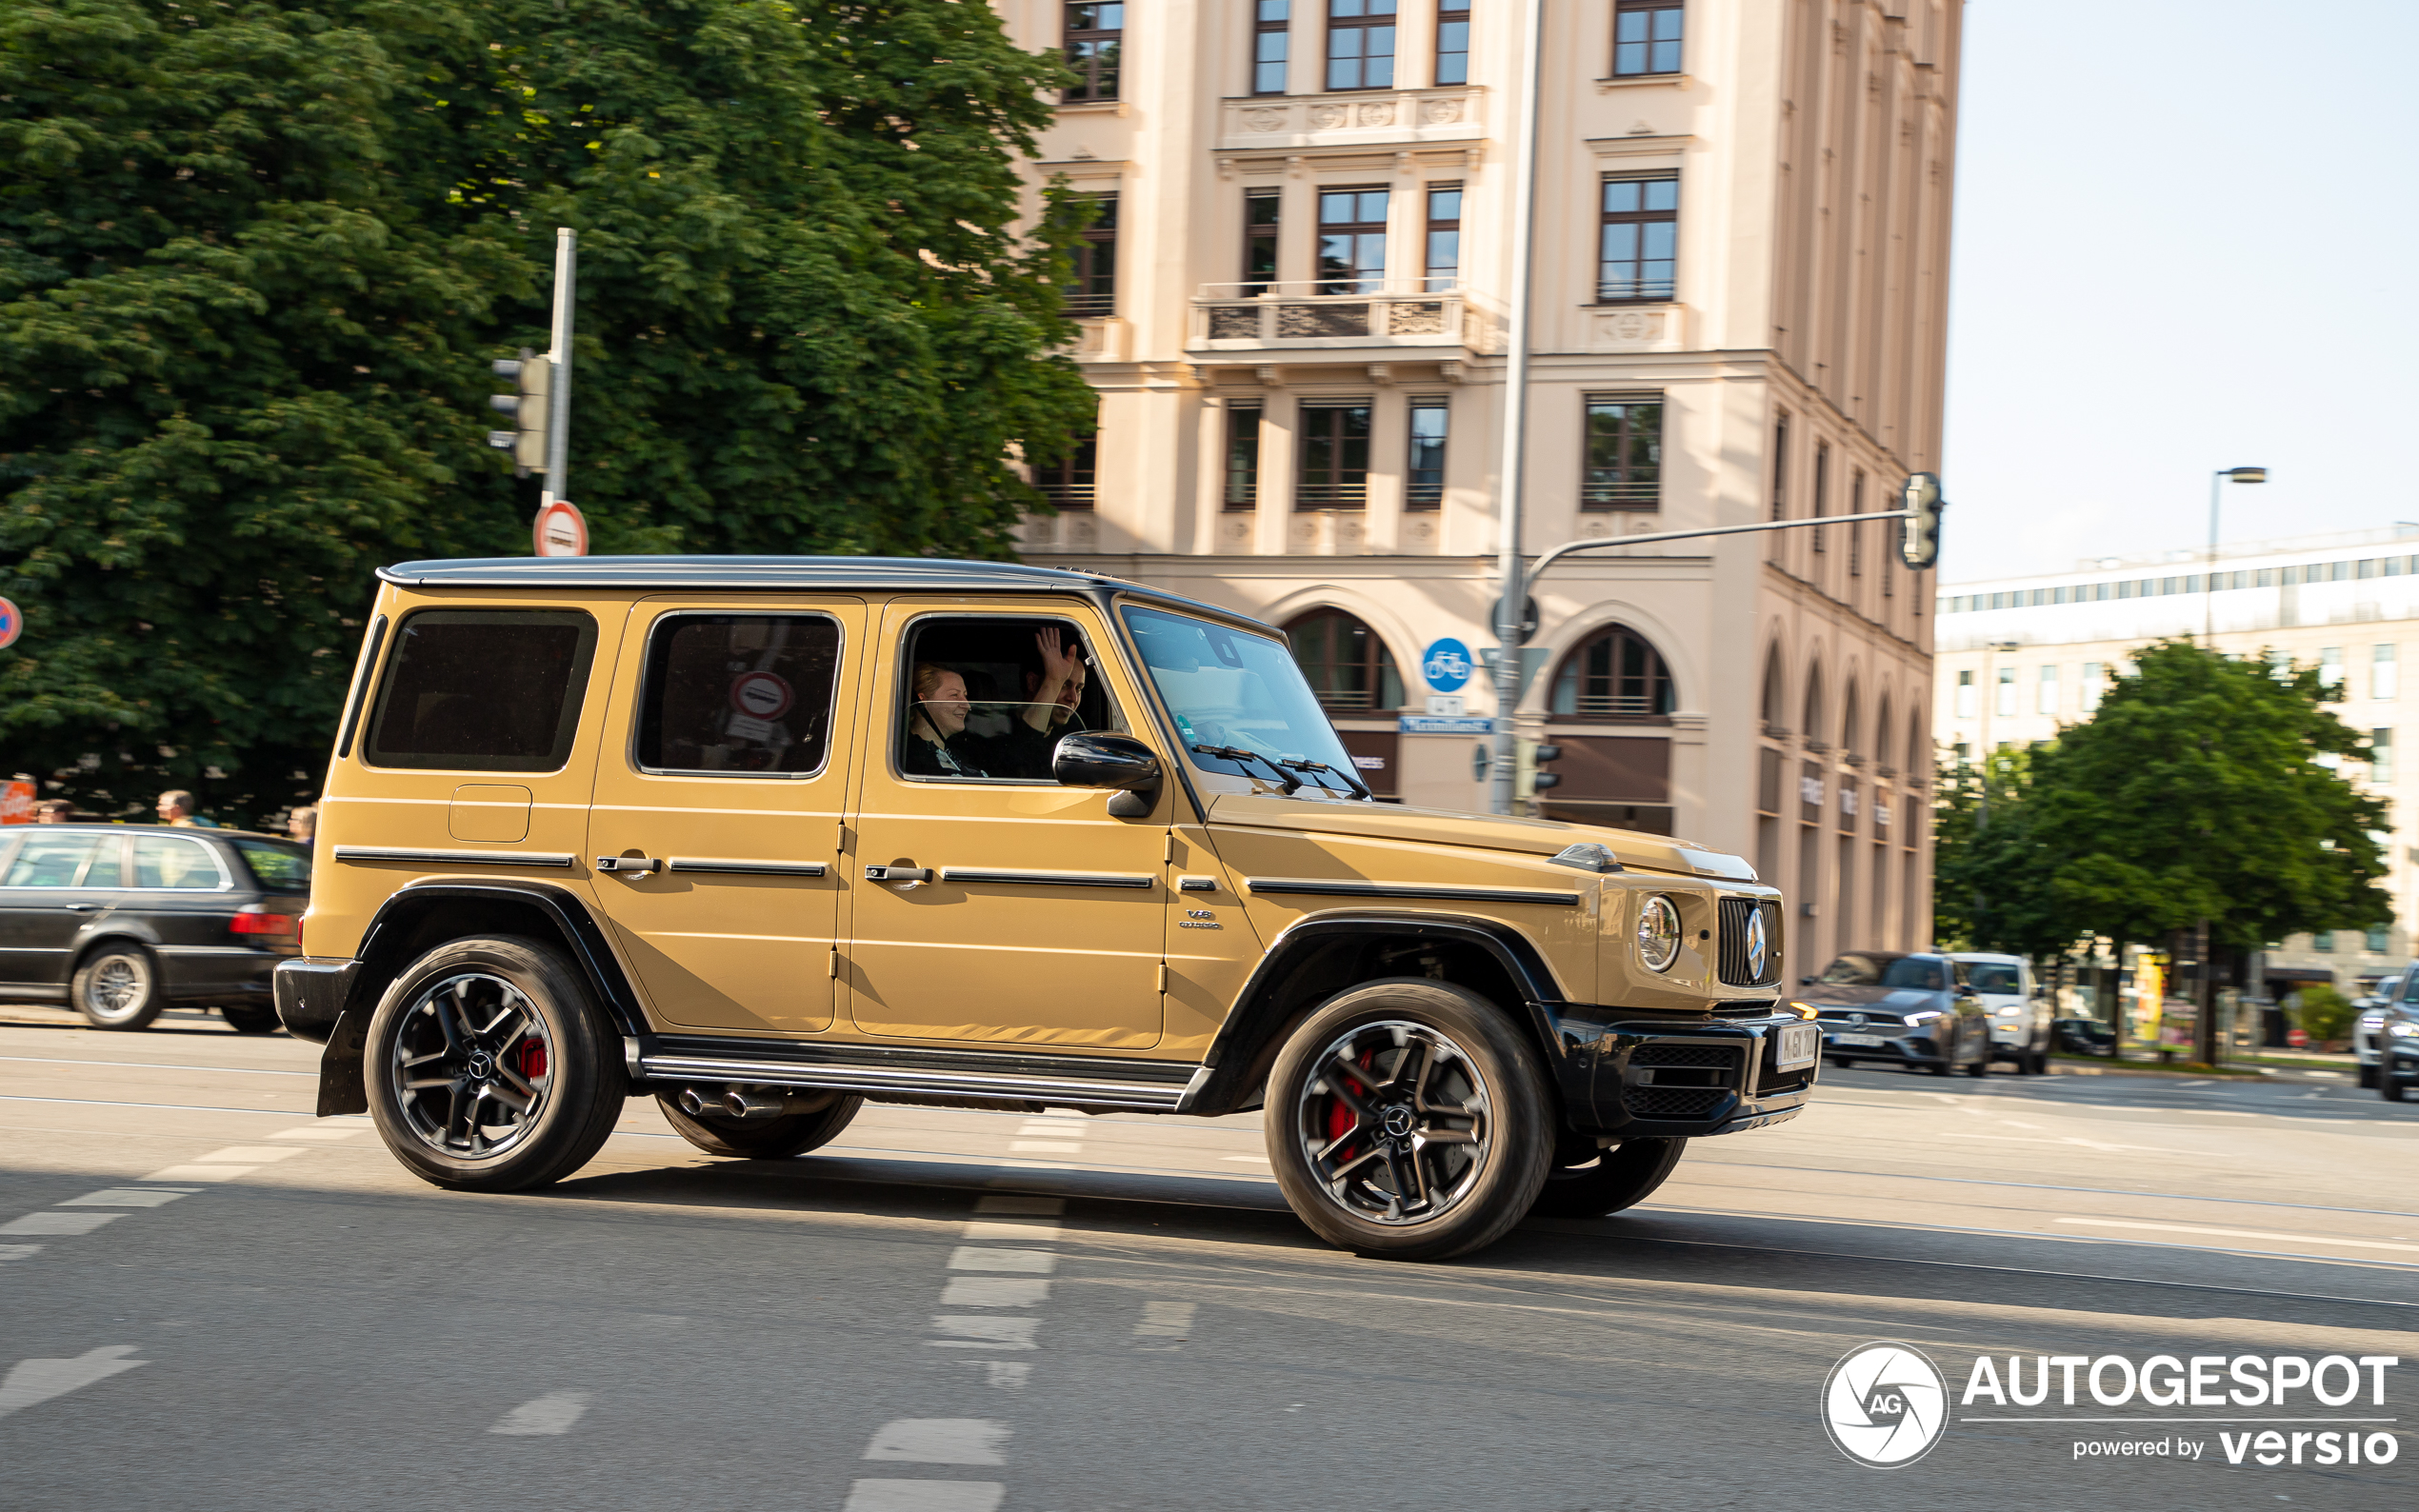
[(1865, 971), (1239, 702), (278, 868), (1996, 978)]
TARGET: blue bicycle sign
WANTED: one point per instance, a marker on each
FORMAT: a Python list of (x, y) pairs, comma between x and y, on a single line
[(1446, 664)]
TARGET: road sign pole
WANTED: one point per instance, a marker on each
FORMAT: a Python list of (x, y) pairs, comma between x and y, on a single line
[(1524, 216), (558, 419)]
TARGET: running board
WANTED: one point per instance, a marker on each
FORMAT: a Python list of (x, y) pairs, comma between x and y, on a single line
[(1071, 1081)]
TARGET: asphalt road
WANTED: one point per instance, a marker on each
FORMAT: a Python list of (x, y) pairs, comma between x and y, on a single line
[(209, 1300)]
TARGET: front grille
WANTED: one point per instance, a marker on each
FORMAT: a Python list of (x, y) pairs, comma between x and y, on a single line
[(1735, 968), (1721, 1057), (1672, 1102), (1885, 1023)]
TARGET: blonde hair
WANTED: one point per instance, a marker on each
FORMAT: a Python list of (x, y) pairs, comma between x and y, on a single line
[(926, 680)]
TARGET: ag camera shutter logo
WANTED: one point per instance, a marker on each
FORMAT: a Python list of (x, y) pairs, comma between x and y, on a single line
[(1885, 1405)]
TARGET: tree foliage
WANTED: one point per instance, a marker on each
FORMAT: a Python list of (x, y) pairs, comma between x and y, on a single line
[(255, 258), (2202, 790)]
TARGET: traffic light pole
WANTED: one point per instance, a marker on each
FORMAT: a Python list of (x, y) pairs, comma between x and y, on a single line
[(558, 417), (1510, 606)]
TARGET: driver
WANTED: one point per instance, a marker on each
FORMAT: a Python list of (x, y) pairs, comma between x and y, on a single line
[(939, 745)]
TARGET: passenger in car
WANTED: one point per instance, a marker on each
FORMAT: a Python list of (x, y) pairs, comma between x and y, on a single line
[(939, 745)]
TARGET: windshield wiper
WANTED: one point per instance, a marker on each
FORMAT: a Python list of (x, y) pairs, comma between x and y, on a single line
[(1354, 782), (1239, 755)]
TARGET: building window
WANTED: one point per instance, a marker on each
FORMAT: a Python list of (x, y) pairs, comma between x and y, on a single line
[(1634, 255), (1645, 37), (1360, 44), (1069, 482), (1353, 241), (2377, 938), (1452, 41), (2331, 673), (1781, 466), (2385, 673), (2381, 757), (1822, 488), (1966, 695), (1271, 40), (1334, 449), (1615, 673), (1624, 463), (1856, 531), (1261, 208), (2004, 698), (1243, 456), (2094, 675), (1444, 270), (2045, 698), (1424, 476), (1094, 291), (2323, 941), (1095, 46), (1347, 663)]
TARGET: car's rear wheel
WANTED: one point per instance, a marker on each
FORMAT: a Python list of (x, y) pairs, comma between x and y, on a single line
[(2392, 1087), (247, 1020), (761, 1139), (1614, 1179), (1981, 1066), (2369, 1078), (1940, 1068), (488, 1067), (117, 987), (1407, 1120)]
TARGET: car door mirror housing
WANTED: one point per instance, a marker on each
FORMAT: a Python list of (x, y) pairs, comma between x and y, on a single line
[(1119, 762)]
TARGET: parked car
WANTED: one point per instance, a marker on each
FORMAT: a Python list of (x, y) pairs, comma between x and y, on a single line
[(2079, 1036), (2398, 1051), (2367, 1036), (1905, 1010), (121, 921), (2018, 1007)]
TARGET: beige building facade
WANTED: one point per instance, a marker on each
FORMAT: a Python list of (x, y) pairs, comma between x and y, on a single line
[(1294, 314), (2022, 658)]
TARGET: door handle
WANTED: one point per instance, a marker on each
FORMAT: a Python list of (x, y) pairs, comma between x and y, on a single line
[(85, 908), (631, 865), (911, 875)]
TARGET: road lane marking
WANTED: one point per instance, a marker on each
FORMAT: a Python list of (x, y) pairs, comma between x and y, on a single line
[(1008, 1375), (247, 1155), (1255, 1160), (924, 1495), (58, 1223), (1165, 1319), (1043, 1147), (994, 1291), (1037, 1232), (130, 1197), (198, 1173), (320, 1131), (18, 1251), (1017, 1203), (553, 1413), (1058, 1128), (940, 1441), (37, 1381), (152, 1066), (1030, 1261), (2241, 1233), (975, 1331)]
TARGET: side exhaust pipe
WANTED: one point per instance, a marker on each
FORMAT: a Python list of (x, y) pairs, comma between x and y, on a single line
[(734, 1101)]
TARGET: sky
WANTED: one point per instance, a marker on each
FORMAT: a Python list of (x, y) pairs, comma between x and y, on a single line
[(2184, 240)]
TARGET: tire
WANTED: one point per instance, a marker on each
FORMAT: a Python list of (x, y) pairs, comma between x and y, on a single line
[(489, 1068), (117, 987), (2040, 1063), (766, 1139), (2368, 1078), (1841, 1062), (2390, 1089), (1940, 1068), (1621, 1176), (251, 1020), (1447, 1107), (1980, 1068)]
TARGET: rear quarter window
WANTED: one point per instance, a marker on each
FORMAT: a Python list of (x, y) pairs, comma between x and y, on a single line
[(278, 868), (489, 690)]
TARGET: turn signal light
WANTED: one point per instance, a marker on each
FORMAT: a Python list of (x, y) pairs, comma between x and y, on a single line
[(253, 919)]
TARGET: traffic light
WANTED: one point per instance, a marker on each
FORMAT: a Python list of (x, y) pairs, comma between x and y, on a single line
[(1919, 535), (1528, 756), (533, 375)]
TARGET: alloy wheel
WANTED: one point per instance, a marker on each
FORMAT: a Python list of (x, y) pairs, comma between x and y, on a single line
[(1393, 1121), (472, 1066), (118, 987)]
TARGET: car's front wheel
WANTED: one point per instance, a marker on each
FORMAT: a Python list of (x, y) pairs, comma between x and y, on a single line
[(118, 987), (1407, 1120), (489, 1068), (2391, 1087), (1620, 1177), (247, 1020)]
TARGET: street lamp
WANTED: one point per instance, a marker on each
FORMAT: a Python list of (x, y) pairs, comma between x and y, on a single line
[(2209, 574)]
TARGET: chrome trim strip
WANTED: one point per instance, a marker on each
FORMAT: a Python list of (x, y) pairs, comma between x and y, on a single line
[(209, 950), (877, 1080), (1316, 886), (1048, 879), (457, 857), (748, 868)]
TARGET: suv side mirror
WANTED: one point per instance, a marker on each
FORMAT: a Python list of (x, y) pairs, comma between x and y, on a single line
[(1117, 762)]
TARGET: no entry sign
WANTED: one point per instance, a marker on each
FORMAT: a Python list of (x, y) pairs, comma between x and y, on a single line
[(560, 531), (761, 695), (11, 624)]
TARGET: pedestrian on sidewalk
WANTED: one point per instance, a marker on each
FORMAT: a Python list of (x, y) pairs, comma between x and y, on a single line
[(176, 807), (303, 824), (54, 811)]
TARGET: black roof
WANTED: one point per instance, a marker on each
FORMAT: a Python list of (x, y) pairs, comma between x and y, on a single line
[(933, 574)]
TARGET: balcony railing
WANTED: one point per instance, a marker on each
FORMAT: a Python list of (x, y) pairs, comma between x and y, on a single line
[(1312, 313)]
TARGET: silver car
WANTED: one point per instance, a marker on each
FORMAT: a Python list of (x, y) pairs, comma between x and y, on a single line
[(2019, 1010)]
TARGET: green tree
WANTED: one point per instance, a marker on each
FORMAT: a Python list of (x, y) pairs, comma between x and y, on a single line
[(1989, 892), (255, 257)]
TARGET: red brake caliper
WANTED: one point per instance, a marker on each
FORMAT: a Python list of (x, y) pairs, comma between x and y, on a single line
[(532, 1059), (1339, 1118)]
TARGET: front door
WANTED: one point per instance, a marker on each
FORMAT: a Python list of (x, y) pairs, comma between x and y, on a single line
[(719, 798), (990, 903)]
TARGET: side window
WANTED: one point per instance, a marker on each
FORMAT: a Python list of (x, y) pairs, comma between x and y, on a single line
[(62, 861), (167, 861), (486, 690), (738, 694), (987, 698), (278, 868)]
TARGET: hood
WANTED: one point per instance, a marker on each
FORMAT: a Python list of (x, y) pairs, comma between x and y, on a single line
[(1887, 1000), (1445, 826)]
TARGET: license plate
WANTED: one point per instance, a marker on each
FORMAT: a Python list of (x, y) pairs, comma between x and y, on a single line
[(1856, 1039), (1801, 1045)]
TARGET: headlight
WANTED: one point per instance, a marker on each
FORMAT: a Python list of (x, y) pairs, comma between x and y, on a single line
[(1925, 1017), (2400, 1031), (1658, 933)]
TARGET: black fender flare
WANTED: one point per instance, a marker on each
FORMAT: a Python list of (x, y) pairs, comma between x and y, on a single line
[(1260, 1013), (381, 955)]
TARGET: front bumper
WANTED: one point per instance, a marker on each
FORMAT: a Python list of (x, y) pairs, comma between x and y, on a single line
[(1639, 1077)]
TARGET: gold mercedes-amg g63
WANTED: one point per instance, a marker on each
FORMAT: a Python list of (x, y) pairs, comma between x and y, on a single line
[(767, 837)]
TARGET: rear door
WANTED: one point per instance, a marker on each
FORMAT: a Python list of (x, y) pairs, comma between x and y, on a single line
[(47, 895), (720, 792), (183, 895)]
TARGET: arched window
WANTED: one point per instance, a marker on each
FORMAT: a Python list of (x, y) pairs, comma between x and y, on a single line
[(1918, 747), (1776, 710), (1812, 724), (1348, 664), (1848, 722), (1881, 733), (1615, 673)]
